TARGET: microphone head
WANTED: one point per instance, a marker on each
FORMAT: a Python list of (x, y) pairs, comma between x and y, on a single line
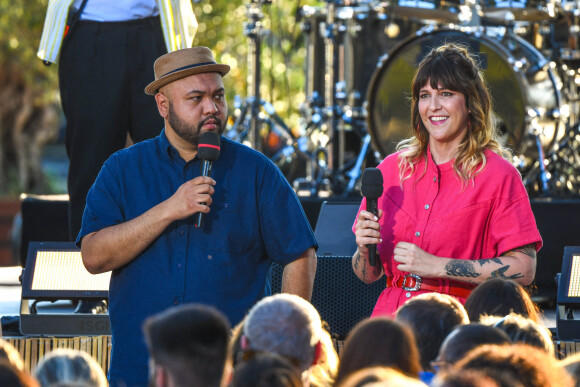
[(372, 183), (209, 146)]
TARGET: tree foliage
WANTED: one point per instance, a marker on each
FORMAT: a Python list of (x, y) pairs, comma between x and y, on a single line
[(28, 97)]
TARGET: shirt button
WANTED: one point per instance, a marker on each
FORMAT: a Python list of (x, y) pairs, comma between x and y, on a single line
[(179, 265), (417, 234), (181, 233), (435, 179), (210, 257), (408, 295), (426, 206)]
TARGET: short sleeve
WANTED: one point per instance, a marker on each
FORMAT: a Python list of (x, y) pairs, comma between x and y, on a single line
[(102, 208), (285, 229), (513, 223)]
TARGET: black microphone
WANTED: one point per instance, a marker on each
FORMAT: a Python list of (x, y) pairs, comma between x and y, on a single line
[(208, 151), (372, 189)]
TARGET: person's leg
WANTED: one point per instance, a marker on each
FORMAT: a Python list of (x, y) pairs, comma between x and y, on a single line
[(96, 93), (147, 47)]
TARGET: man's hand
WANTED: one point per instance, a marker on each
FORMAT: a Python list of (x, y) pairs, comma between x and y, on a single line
[(191, 197)]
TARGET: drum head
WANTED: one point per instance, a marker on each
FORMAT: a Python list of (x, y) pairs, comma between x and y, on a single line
[(389, 93)]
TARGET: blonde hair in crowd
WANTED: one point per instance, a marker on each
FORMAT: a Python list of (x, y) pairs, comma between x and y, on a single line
[(451, 66)]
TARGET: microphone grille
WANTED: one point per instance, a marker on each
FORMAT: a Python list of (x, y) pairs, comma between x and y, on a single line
[(372, 183), (209, 146)]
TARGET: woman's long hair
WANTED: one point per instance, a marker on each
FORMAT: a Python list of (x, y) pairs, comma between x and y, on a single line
[(452, 67)]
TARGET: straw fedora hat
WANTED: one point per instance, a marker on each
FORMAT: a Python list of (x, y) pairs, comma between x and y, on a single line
[(183, 63)]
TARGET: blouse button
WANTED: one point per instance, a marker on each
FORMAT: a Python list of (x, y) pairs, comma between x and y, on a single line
[(426, 206), (435, 179), (417, 234), (408, 295)]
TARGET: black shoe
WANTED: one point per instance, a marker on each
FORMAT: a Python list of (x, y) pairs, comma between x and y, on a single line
[(91, 307)]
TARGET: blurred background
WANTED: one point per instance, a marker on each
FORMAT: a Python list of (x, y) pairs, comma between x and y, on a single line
[(32, 157)]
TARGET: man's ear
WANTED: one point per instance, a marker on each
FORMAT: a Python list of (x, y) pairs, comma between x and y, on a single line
[(161, 376), (317, 353), (244, 343), (162, 104)]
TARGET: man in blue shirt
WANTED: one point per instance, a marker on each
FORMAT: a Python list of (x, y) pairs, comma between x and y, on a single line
[(138, 221)]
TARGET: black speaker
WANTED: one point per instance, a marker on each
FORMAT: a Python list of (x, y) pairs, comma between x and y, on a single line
[(334, 228), (558, 221), (44, 219), (340, 297)]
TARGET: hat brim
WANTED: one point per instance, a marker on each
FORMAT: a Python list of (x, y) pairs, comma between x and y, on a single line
[(154, 86)]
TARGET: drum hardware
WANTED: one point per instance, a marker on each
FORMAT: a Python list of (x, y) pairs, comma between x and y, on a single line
[(518, 10), (562, 168), (254, 31), (421, 11)]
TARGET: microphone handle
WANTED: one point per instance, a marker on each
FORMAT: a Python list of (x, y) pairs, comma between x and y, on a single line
[(205, 171), (372, 208)]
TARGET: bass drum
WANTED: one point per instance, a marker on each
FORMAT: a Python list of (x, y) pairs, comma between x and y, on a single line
[(518, 76)]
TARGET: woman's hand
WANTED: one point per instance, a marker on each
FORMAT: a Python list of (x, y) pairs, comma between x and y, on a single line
[(412, 259), (367, 230)]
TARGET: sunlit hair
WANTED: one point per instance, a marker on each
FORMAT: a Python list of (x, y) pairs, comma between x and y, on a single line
[(452, 67)]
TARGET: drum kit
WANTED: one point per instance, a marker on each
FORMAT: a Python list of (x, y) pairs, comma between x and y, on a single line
[(361, 58)]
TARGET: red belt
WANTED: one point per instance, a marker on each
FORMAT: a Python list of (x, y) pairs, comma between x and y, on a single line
[(412, 282)]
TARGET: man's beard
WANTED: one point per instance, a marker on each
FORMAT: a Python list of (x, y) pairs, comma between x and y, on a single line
[(191, 133)]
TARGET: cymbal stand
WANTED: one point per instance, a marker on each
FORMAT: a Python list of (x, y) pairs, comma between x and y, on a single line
[(253, 30), (335, 136)]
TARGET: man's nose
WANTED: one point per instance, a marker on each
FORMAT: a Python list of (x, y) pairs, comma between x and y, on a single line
[(209, 106)]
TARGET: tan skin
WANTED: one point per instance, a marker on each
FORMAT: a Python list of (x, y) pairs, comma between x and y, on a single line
[(193, 98), (440, 111)]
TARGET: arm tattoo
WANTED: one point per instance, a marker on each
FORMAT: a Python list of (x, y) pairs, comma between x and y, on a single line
[(529, 250), (484, 261), (461, 268), (364, 269), (500, 273)]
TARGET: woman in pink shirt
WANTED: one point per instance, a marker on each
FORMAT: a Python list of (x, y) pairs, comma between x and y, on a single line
[(454, 212)]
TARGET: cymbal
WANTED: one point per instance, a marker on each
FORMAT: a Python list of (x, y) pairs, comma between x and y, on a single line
[(440, 15), (509, 14)]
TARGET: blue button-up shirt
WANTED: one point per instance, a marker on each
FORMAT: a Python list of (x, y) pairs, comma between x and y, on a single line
[(255, 219)]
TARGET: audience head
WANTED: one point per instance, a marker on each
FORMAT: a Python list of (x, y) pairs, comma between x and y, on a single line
[(379, 341), (188, 345), (464, 338), (454, 377), (379, 376), (531, 366), (69, 367), (266, 369), (521, 329), (287, 325), (14, 377), (572, 365), (499, 297), (324, 371), (9, 353), (431, 317)]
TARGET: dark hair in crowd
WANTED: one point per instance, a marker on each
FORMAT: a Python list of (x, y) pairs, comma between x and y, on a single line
[(379, 341), (266, 369), (466, 337), (191, 342), (431, 317), (500, 297)]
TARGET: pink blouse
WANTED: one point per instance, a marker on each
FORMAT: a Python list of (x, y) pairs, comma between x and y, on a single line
[(433, 210)]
